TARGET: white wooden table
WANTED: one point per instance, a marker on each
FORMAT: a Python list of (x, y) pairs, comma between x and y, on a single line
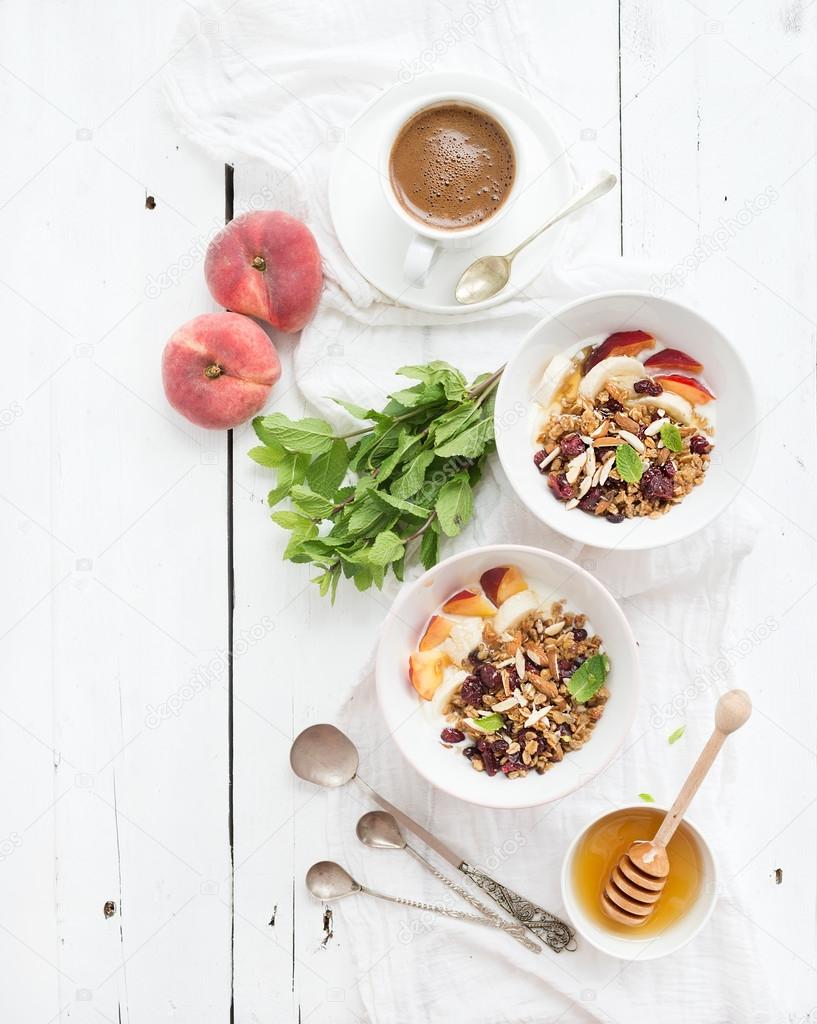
[(151, 847)]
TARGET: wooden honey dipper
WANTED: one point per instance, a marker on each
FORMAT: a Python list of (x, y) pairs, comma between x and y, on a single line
[(637, 881)]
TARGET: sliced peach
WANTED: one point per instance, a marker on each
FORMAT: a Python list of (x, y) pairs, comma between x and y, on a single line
[(687, 387), (466, 602), (426, 671), (623, 343), (673, 359), (502, 582), (437, 630)]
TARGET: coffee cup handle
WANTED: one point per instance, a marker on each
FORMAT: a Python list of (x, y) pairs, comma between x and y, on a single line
[(419, 258)]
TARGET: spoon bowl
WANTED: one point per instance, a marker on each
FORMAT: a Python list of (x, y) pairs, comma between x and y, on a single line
[(324, 756), (328, 881), (380, 831)]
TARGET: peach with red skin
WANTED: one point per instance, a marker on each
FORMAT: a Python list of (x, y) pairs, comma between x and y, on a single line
[(622, 343), (437, 630), (673, 359), (426, 671), (502, 582), (266, 264), (218, 370), (466, 602), (687, 387)]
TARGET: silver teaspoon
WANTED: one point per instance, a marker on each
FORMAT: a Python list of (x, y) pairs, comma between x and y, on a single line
[(328, 881), (380, 831), (325, 756), (489, 274)]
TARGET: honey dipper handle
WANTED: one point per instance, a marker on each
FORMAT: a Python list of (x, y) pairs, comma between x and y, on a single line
[(731, 713)]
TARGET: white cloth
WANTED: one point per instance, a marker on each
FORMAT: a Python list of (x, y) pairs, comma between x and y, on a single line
[(262, 83)]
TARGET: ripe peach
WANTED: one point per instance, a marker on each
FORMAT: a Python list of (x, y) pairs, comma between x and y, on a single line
[(466, 602), (426, 671), (623, 343), (502, 582), (266, 264), (692, 390), (437, 630), (673, 359), (218, 369)]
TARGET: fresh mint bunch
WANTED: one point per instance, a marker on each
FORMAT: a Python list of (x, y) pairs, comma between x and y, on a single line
[(361, 503)]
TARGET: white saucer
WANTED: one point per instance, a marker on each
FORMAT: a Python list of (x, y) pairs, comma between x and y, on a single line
[(375, 240)]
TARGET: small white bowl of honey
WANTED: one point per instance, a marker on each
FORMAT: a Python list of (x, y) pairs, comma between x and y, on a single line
[(685, 904)]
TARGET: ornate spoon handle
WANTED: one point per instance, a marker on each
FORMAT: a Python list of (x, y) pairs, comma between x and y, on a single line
[(436, 908), (553, 932), (512, 929)]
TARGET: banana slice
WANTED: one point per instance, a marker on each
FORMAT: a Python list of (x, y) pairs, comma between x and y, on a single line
[(677, 406), (514, 609), (623, 371), (452, 678), (465, 635), (554, 376)]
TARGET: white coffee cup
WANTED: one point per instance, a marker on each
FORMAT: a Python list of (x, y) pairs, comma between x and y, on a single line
[(428, 241)]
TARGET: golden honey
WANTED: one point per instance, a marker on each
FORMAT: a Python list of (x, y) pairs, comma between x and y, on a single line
[(601, 848)]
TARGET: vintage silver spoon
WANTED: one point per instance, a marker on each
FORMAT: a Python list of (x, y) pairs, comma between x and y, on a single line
[(325, 756), (328, 881), (379, 831), (489, 274)]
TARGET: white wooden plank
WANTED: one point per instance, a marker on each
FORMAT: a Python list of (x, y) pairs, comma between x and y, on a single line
[(115, 515), (718, 109)]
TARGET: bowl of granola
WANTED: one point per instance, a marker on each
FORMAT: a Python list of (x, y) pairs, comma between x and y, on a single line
[(639, 421), (507, 676)]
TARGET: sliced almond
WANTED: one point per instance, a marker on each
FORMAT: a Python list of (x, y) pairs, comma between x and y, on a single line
[(584, 487), (655, 426), (555, 629), (607, 442), (520, 663), (602, 430), (574, 467), (636, 442), (625, 421), (605, 470), (505, 705), (571, 504), (547, 461), (534, 657), (537, 715)]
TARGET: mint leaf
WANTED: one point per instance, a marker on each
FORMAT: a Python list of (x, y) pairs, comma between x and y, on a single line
[(270, 456), (491, 723), (325, 474), (290, 472), (387, 548), (400, 504), (471, 443), (671, 436), (648, 798), (407, 485), (430, 547), (312, 504), (453, 422), (311, 436), (588, 678), (675, 736), (629, 465), (454, 504)]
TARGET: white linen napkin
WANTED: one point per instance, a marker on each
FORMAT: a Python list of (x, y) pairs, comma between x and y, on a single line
[(259, 82)]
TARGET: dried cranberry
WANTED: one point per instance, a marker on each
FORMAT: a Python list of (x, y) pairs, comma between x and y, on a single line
[(571, 446), (591, 499), (647, 387), (612, 405), (499, 748), (560, 487), (699, 444), (513, 678), (566, 667), (470, 752), (579, 635), (489, 677), (614, 517), (488, 759), (656, 483), (539, 458), (526, 735), (471, 692), (565, 730), (452, 736), (513, 764)]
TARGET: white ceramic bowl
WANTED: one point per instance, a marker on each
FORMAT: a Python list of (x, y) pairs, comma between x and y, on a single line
[(675, 326), (653, 947), (416, 730)]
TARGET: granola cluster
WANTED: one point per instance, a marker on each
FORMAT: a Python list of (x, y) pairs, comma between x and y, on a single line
[(578, 455), (522, 676)]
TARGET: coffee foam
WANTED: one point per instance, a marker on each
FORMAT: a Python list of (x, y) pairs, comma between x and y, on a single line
[(452, 166)]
